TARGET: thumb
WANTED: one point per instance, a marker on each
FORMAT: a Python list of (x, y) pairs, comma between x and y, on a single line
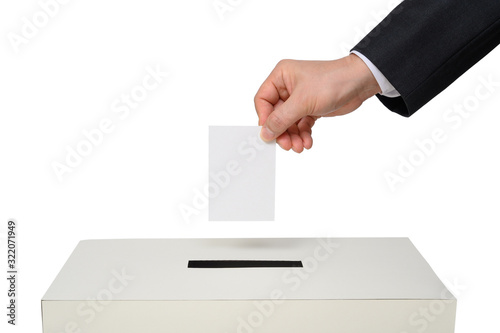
[(281, 119)]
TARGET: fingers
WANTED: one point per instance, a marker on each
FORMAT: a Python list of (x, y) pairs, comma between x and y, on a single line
[(281, 119), (281, 114), (297, 144), (265, 99), (305, 129), (270, 94), (284, 141), (298, 136)]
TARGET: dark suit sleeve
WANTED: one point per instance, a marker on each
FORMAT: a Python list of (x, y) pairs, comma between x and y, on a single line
[(422, 46)]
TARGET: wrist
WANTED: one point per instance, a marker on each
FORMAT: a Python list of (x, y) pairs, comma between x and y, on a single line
[(365, 82)]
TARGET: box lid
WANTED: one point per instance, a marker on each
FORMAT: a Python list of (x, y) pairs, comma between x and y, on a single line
[(332, 268)]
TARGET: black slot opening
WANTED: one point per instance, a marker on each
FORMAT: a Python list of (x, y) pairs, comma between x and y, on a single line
[(243, 263)]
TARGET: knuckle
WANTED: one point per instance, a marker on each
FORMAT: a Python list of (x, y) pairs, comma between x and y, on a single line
[(283, 63), (276, 123)]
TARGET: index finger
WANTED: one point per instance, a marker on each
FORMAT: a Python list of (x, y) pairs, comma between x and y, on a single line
[(270, 93), (265, 99)]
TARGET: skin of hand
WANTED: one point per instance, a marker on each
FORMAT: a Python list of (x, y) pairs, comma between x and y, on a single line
[(297, 93)]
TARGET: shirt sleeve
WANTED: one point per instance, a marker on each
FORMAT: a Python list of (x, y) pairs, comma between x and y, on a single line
[(387, 88)]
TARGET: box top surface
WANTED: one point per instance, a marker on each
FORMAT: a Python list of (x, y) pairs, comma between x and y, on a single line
[(333, 268)]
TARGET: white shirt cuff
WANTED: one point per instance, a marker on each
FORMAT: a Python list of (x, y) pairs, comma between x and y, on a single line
[(387, 88)]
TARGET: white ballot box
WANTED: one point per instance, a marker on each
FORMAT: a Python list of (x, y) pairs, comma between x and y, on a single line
[(247, 285)]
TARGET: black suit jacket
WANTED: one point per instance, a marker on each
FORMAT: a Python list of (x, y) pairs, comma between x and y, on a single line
[(422, 46)]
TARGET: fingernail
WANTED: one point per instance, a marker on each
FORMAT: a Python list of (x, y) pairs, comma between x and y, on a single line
[(266, 134)]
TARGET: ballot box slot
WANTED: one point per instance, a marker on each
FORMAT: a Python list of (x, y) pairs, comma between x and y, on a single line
[(245, 264)]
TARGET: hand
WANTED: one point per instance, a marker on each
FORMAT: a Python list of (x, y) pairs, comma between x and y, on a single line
[(297, 93)]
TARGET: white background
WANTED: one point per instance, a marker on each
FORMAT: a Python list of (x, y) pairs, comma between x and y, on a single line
[(65, 79)]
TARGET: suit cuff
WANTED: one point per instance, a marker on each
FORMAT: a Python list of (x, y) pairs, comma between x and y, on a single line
[(387, 88)]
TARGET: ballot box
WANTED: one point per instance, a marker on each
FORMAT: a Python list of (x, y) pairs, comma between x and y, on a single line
[(247, 285)]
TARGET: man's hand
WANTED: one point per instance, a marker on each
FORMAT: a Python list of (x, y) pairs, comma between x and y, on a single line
[(297, 93)]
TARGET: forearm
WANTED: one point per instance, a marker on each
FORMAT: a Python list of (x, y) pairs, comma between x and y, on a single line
[(425, 45)]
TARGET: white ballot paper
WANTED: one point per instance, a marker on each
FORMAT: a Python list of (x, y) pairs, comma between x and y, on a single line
[(241, 174)]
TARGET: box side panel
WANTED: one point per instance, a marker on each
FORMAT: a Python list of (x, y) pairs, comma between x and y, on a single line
[(265, 316)]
